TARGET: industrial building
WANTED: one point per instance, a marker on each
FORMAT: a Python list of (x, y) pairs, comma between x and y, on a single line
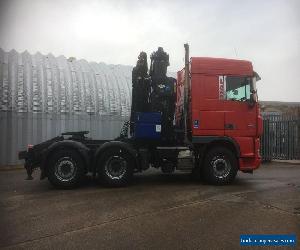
[(42, 96)]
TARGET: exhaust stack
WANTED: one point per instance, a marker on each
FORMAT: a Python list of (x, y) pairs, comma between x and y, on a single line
[(186, 90)]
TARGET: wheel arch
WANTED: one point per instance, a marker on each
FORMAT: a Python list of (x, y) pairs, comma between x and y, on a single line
[(79, 147), (208, 142), (205, 147)]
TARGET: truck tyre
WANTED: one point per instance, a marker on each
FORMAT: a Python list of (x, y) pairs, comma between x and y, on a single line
[(65, 169), (115, 167), (220, 166)]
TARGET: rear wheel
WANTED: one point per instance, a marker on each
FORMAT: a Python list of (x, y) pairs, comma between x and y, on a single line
[(115, 167), (220, 166), (65, 169)]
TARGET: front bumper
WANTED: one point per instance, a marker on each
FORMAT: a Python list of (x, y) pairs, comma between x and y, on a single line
[(249, 164)]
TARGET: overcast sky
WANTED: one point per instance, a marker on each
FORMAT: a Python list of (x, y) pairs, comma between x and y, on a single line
[(264, 32)]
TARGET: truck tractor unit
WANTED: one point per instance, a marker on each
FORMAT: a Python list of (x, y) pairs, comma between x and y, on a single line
[(206, 122)]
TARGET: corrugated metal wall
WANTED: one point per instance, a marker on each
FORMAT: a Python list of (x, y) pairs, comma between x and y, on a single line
[(42, 96)]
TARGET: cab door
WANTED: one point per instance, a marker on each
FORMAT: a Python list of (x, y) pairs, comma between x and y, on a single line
[(239, 115)]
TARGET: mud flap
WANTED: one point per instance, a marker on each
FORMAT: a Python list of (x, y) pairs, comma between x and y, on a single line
[(29, 171)]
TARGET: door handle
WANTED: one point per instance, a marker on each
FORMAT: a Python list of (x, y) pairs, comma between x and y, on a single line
[(251, 125), (229, 126)]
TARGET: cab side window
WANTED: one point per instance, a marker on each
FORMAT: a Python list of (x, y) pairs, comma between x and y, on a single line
[(238, 88)]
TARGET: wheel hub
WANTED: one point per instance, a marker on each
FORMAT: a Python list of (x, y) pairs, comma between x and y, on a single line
[(115, 167), (65, 169), (221, 167)]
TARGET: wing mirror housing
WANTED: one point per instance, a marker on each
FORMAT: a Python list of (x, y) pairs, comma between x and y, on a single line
[(252, 100)]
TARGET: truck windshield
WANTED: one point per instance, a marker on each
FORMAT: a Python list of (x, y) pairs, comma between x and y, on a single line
[(239, 88)]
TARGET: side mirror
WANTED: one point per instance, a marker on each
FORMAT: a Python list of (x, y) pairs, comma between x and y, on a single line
[(257, 77), (252, 100)]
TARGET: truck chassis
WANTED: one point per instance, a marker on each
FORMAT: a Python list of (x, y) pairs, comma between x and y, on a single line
[(154, 140)]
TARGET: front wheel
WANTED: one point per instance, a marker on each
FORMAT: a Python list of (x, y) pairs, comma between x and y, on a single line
[(220, 166), (115, 167)]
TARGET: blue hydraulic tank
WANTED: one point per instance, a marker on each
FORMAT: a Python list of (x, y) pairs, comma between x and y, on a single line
[(147, 125)]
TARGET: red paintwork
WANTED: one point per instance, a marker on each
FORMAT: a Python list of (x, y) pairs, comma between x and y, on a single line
[(251, 163), (220, 66), (213, 113)]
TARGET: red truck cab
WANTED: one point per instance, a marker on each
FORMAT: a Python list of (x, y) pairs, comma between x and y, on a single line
[(223, 107)]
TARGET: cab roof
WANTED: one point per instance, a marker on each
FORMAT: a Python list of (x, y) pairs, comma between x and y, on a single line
[(220, 66)]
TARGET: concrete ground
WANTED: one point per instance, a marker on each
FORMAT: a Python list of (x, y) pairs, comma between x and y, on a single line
[(156, 212)]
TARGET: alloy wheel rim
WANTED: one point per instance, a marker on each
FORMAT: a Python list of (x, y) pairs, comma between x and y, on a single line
[(115, 167), (221, 166), (65, 169)]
